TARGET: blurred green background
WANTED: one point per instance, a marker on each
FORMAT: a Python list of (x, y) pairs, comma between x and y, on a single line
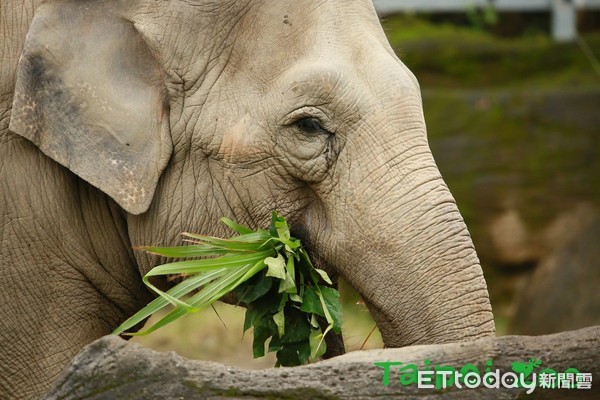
[(514, 124)]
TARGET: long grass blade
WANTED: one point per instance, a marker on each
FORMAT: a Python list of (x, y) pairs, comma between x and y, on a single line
[(197, 266), (181, 289), (208, 295), (198, 250), (234, 244), (234, 226), (254, 237)]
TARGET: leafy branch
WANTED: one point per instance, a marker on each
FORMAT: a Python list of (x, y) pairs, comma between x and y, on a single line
[(266, 270)]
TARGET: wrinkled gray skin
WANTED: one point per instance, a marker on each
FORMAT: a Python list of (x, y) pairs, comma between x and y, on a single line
[(132, 121)]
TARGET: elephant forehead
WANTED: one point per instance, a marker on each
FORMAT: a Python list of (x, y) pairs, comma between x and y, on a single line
[(279, 35), (308, 82)]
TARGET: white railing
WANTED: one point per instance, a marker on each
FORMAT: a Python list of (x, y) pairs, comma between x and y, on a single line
[(564, 17)]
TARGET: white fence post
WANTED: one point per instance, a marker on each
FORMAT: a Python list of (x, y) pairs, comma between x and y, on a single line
[(564, 20)]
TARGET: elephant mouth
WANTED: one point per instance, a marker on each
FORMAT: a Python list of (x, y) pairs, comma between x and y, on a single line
[(356, 309), (335, 342)]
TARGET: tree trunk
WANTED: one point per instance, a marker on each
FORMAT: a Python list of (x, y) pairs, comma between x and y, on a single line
[(111, 368)]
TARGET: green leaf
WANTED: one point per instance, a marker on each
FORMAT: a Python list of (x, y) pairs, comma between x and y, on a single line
[(261, 236), (198, 250), (275, 344), (294, 354), (276, 266), (208, 295), (253, 314), (317, 344), (227, 244), (290, 266), (279, 320), (196, 266), (297, 327), (303, 255), (283, 230), (332, 302), (234, 226), (263, 307), (295, 297), (159, 303), (311, 303), (323, 275), (254, 288), (279, 227), (288, 357), (313, 321), (264, 329), (287, 285), (248, 264)]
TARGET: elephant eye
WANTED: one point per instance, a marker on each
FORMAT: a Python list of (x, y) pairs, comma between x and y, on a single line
[(311, 126)]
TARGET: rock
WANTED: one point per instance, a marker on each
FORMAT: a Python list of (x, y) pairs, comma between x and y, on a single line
[(563, 292), (112, 368)]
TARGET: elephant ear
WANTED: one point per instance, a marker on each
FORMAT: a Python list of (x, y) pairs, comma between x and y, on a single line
[(90, 95)]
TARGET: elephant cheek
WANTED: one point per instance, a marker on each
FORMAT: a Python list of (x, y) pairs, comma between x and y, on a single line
[(235, 142)]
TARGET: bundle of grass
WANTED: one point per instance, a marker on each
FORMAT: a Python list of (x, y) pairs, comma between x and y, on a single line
[(268, 271)]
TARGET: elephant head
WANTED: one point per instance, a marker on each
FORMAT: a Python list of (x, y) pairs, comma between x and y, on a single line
[(185, 111)]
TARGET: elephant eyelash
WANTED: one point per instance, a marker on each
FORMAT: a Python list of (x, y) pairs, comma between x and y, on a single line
[(311, 126), (309, 120)]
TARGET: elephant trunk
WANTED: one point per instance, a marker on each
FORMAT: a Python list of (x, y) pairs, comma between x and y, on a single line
[(419, 273), (427, 285), (398, 238)]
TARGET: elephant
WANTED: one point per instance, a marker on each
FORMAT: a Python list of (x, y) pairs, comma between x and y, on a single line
[(127, 122)]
